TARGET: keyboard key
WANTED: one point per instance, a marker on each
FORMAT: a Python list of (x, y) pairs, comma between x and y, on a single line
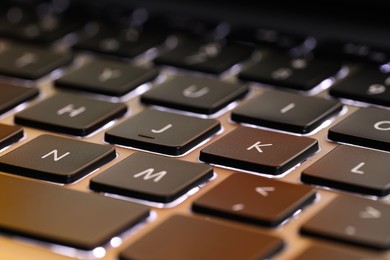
[(259, 151), (367, 84), (121, 42), (70, 114), (359, 221), (108, 77), (63, 216), (30, 61), (209, 57), (302, 73), (286, 111), (353, 51), (151, 177), (12, 96), (198, 95), (56, 159), (253, 199), (369, 127), (162, 132), (33, 23), (9, 134), (190, 238), (352, 169), (267, 37)]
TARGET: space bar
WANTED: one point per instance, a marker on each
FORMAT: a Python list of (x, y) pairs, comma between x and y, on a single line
[(62, 216)]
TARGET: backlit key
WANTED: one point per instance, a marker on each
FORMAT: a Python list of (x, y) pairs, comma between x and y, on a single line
[(70, 114), (56, 159)]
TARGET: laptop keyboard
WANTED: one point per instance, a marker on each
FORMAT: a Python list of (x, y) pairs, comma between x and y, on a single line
[(188, 142)]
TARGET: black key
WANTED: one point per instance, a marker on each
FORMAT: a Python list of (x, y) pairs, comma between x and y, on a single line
[(11, 96), (9, 134), (352, 51), (253, 199), (258, 150), (369, 127), (366, 84), (352, 169), (286, 111), (108, 77), (70, 114), (190, 238), (56, 159), (63, 216), (35, 24), (354, 220), (302, 73), (208, 57), (271, 38), (162, 132), (151, 177), (30, 61), (122, 42), (198, 95)]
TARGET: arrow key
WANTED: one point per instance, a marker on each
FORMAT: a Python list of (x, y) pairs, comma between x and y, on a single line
[(253, 199), (354, 220)]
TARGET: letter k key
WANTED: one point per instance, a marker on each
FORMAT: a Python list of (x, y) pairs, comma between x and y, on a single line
[(258, 146)]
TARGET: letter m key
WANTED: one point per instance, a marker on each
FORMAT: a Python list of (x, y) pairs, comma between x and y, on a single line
[(149, 174)]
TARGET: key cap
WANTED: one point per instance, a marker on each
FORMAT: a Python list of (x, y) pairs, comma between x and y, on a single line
[(286, 111), (31, 62), (162, 132), (359, 221), (63, 216), (267, 37), (185, 237), (253, 199), (121, 42), (56, 159), (352, 169), (208, 57), (302, 73), (107, 77), (9, 134), (151, 177), (352, 51), (367, 84), (12, 96), (70, 114), (198, 95), (37, 24), (367, 127), (259, 151)]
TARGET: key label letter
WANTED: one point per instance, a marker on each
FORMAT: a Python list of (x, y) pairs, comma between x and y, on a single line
[(26, 59), (71, 110), (287, 108), (193, 91), (149, 174), (108, 74), (382, 125), (257, 146), (55, 155), (159, 131), (357, 168)]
